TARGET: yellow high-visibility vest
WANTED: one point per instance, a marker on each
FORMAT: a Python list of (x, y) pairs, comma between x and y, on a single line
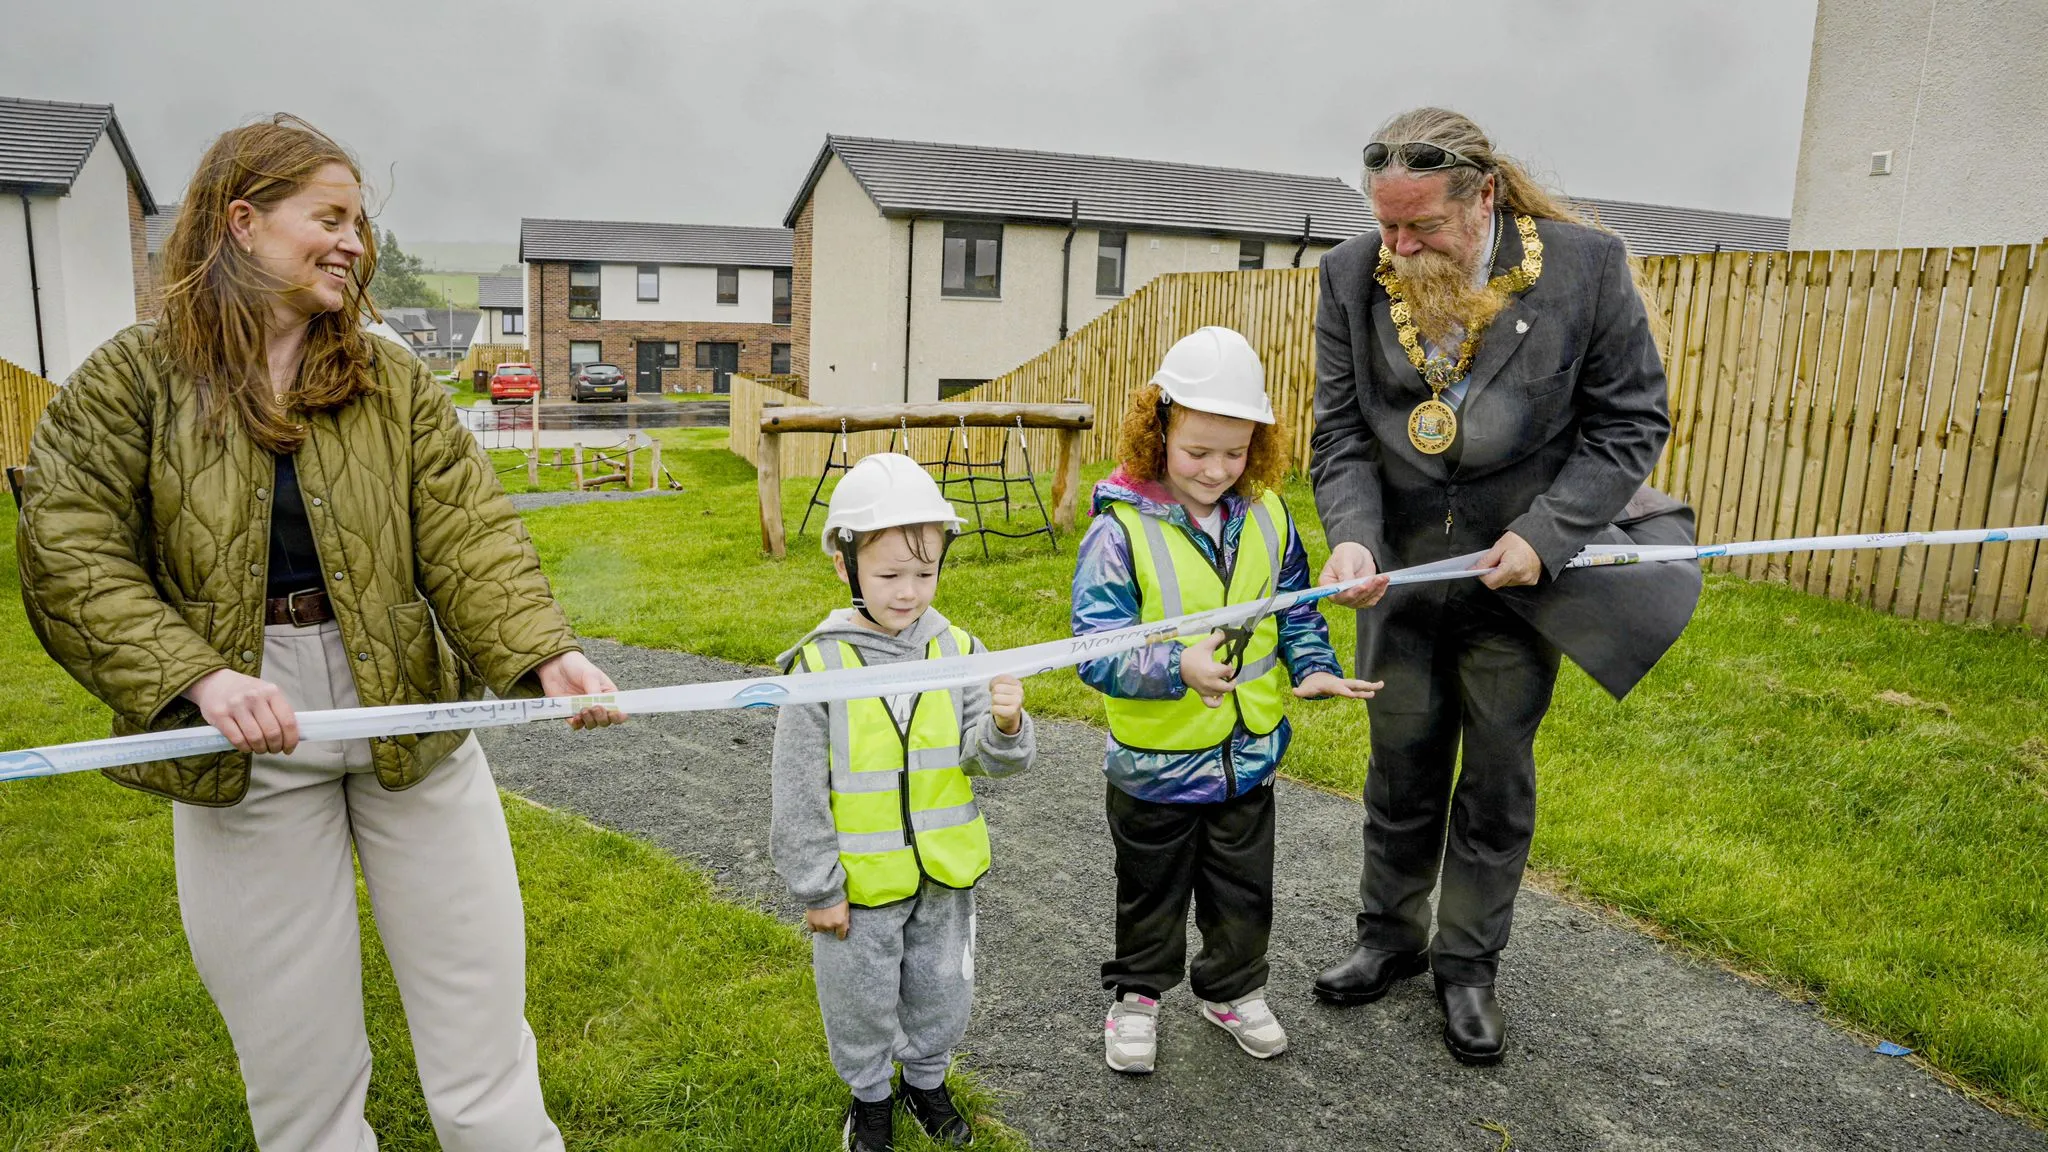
[(903, 809), (1175, 578)]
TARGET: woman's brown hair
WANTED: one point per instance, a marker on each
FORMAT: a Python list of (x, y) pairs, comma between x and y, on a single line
[(1141, 446), (216, 296)]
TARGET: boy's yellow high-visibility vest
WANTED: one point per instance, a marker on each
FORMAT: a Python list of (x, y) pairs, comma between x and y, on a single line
[(902, 807), (1175, 578)]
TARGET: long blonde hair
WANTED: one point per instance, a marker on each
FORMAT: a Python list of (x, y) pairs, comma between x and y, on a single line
[(1515, 190), (216, 296)]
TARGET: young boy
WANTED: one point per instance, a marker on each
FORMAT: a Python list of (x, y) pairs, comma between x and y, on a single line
[(875, 827)]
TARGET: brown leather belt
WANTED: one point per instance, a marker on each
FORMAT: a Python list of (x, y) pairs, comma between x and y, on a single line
[(301, 608)]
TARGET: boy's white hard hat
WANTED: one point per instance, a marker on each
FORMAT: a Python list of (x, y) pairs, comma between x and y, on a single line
[(1215, 370), (885, 490)]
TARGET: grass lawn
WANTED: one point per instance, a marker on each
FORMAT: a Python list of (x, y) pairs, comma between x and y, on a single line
[(1842, 800), (667, 1019)]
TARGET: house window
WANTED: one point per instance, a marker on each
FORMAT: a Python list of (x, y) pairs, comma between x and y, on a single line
[(1251, 255), (704, 348), (649, 280), (973, 260), (728, 285), (781, 296), (583, 292), (671, 355), (583, 352), (512, 323), (778, 359), (1109, 263), (951, 388)]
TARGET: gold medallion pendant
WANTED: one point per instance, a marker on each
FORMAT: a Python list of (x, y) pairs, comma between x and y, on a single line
[(1432, 426)]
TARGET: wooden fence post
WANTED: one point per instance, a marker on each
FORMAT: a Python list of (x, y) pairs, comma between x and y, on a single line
[(1066, 480), (654, 469), (770, 451), (579, 465), (533, 458)]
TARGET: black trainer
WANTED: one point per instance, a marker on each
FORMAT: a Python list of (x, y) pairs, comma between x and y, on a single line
[(870, 1127), (933, 1110)]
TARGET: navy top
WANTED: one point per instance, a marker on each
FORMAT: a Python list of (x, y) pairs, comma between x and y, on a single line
[(294, 562)]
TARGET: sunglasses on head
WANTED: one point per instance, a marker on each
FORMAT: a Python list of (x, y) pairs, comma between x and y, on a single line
[(1415, 157)]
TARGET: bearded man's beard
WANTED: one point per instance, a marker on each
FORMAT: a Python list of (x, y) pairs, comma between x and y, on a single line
[(1440, 295)]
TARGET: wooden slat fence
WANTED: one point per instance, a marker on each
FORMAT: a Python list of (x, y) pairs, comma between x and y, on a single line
[(1812, 393), (22, 397)]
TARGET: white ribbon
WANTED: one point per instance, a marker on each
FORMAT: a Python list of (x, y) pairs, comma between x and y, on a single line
[(908, 676)]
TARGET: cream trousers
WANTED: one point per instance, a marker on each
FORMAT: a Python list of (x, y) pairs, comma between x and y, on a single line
[(268, 897)]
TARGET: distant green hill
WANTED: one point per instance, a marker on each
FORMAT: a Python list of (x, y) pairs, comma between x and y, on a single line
[(462, 255), (457, 288)]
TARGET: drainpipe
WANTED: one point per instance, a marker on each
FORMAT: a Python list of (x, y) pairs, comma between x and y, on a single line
[(909, 283), (1066, 266), (35, 289), (1304, 241)]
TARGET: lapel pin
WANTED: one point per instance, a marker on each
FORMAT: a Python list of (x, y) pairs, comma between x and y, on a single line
[(1521, 326)]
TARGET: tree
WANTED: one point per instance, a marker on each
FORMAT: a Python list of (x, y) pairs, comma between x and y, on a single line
[(398, 283)]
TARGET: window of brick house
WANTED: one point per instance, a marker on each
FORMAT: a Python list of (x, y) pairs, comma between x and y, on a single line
[(728, 285), (1109, 263), (778, 359), (583, 352), (1251, 255), (585, 301), (781, 296), (648, 281), (972, 260), (671, 355)]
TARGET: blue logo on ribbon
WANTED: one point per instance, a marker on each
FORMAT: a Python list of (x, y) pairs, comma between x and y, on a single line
[(760, 695)]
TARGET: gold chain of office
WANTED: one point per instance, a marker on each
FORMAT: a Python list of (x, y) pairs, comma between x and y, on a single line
[(1433, 425)]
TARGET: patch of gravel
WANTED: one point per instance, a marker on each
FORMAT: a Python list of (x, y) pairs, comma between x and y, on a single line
[(1615, 1041), (526, 500)]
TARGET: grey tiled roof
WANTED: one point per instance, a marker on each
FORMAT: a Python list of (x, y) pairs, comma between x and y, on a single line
[(500, 292), (907, 177), (156, 227), (607, 241), (44, 144), (1663, 230)]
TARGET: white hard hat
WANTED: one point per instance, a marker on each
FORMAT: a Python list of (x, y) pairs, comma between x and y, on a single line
[(885, 490), (1215, 370)]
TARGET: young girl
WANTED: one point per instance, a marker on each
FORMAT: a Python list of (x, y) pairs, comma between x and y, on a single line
[(875, 827), (1191, 521)]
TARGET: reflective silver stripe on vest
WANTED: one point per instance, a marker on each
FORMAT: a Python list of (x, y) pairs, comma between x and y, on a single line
[(949, 645), (858, 843), (1258, 668), (922, 759), (1264, 516), (840, 732), (1162, 567), (933, 819)]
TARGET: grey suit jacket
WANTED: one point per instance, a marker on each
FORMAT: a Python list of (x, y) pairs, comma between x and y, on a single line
[(1561, 423)]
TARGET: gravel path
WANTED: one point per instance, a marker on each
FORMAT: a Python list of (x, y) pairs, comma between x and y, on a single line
[(1616, 1042)]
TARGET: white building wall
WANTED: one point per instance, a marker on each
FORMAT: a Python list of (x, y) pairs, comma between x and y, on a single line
[(857, 261), (95, 257), (17, 311), (1957, 90), (689, 292)]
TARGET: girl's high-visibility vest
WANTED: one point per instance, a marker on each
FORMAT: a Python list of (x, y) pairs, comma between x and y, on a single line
[(1175, 577), (903, 809)]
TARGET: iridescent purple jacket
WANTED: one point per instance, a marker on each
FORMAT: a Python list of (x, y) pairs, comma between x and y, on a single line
[(1106, 596)]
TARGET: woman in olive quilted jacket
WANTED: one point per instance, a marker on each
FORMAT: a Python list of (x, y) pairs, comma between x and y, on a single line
[(253, 507)]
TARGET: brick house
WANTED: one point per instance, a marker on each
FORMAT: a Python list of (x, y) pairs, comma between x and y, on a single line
[(678, 307), (73, 263)]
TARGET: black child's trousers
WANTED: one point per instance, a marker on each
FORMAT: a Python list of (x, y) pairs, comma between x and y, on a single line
[(1222, 855)]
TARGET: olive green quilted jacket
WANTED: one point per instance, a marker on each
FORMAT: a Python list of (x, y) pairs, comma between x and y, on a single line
[(143, 543)]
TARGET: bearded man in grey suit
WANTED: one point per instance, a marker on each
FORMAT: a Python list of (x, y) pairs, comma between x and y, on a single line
[(1487, 388)]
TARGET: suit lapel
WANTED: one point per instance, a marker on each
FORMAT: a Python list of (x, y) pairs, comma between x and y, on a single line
[(1402, 387), (1498, 343)]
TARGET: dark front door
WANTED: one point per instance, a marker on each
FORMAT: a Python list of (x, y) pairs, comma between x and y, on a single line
[(647, 378), (725, 360)]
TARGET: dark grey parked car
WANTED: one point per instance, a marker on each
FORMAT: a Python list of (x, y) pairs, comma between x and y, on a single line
[(600, 381)]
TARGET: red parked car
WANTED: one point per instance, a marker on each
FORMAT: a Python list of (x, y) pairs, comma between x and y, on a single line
[(514, 382)]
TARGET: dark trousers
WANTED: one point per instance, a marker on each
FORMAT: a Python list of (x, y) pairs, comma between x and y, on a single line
[(1482, 678), (1222, 855)]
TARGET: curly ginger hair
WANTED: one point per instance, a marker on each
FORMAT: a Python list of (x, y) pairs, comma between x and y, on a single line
[(1141, 445)]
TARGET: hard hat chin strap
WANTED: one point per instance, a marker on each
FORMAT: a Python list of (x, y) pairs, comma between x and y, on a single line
[(849, 551)]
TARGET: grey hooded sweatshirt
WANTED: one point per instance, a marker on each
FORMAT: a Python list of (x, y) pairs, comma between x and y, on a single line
[(801, 838)]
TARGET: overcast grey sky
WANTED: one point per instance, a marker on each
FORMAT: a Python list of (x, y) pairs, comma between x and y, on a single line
[(468, 116)]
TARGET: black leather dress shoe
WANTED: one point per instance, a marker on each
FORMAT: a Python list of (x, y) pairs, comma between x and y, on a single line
[(1366, 975), (1475, 1030)]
